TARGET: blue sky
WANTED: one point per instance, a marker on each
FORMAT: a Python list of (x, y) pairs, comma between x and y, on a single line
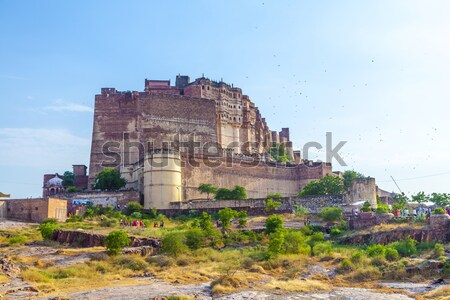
[(374, 73)]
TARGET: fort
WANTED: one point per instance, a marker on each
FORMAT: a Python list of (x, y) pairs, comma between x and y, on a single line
[(168, 139)]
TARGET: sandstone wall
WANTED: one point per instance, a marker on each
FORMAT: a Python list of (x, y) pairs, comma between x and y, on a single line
[(133, 119), (36, 209), (363, 189), (259, 180)]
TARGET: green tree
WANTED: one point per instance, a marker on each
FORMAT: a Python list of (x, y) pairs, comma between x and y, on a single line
[(420, 197), (328, 185), (273, 223), (239, 193), (68, 179), (242, 218), (332, 214), (116, 241), (225, 216), (207, 188), (271, 205), (195, 238), (400, 201), (223, 194), (173, 244), (134, 207), (366, 207), (440, 199), (205, 222), (349, 176), (109, 179), (279, 153), (276, 243), (46, 230)]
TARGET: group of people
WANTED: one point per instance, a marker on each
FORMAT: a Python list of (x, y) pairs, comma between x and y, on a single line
[(412, 213), (134, 223)]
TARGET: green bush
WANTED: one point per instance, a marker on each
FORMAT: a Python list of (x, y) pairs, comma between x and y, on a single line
[(439, 211), (357, 256), (439, 250), (406, 247), (332, 214), (321, 248), (335, 232), (17, 239), (242, 218), (376, 250), (276, 242), (46, 230), (204, 222), (316, 237), (391, 254), (195, 238), (225, 216), (271, 205), (273, 224), (382, 209), (116, 241), (425, 246), (107, 222), (345, 266), (173, 244), (366, 207), (304, 249), (274, 196), (131, 262), (293, 240), (133, 207)]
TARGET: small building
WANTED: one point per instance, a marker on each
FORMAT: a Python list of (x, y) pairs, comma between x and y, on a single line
[(52, 185), (34, 209)]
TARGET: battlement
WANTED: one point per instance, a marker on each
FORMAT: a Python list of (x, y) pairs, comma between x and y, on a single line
[(106, 91)]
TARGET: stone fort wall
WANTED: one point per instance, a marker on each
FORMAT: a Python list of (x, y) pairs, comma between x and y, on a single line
[(259, 180), (133, 119)]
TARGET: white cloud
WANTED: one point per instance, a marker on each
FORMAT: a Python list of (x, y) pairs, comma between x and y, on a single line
[(61, 105), (46, 148)]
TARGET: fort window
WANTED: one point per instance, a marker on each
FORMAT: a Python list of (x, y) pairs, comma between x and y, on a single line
[(36, 208), (203, 87)]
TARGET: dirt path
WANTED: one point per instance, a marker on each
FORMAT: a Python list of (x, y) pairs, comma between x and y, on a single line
[(8, 224), (202, 292)]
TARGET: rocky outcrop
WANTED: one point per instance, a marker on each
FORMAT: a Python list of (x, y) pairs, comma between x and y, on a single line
[(142, 251), (8, 268), (426, 234), (83, 239)]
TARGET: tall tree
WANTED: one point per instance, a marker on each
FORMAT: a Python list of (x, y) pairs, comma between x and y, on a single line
[(328, 185), (68, 179), (440, 199), (109, 179), (420, 197), (349, 176), (207, 188)]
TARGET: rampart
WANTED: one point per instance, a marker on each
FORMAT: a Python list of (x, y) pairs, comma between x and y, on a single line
[(256, 206)]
